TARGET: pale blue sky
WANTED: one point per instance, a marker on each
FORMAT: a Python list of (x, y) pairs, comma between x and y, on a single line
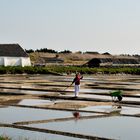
[(78, 25)]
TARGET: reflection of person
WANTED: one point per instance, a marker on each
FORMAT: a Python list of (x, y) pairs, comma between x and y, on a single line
[(76, 81), (76, 115)]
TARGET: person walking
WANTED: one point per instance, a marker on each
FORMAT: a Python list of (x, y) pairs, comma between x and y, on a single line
[(76, 81)]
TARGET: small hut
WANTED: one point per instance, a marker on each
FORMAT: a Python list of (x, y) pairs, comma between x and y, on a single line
[(13, 55)]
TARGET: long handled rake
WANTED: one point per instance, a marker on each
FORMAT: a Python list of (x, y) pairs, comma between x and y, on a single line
[(66, 88), (70, 85)]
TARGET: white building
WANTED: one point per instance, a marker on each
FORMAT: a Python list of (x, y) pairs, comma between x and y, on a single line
[(13, 55)]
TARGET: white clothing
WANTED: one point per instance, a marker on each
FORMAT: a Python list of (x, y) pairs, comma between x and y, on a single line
[(76, 87)]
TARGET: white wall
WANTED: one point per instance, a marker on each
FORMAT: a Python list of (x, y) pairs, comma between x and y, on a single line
[(15, 61), (25, 61), (1, 61)]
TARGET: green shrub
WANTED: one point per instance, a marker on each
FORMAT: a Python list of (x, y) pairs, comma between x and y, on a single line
[(3, 70), (67, 69), (5, 138)]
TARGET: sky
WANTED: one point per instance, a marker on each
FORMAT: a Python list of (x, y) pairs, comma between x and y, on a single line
[(77, 25)]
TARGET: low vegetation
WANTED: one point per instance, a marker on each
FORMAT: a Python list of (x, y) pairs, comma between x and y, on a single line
[(67, 70), (5, 138)]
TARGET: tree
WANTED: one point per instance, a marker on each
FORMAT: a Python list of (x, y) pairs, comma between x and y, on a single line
[(46, 50), (65, 51), (29, 51)]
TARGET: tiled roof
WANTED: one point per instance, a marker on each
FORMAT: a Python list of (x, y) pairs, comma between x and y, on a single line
[(12, 50)]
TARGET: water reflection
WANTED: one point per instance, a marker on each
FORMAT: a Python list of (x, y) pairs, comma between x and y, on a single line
[(76, 115), (113, 108)]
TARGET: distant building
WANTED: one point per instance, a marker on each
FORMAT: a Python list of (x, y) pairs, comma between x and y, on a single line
[(13, 55), (53, 60), (96, 62)]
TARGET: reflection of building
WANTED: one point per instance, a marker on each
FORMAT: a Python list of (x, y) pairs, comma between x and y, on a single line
[(13, 55)]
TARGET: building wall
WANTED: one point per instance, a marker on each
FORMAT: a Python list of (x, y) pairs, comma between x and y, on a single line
[(15, 61), (2, 61), (25, 61)]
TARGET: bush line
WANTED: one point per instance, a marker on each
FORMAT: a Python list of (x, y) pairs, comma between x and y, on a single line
[(67, 70)]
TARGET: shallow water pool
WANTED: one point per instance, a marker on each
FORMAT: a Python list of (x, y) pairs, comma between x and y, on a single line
[(115, 127), (12, 114), (109, 108), (17, 134)]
